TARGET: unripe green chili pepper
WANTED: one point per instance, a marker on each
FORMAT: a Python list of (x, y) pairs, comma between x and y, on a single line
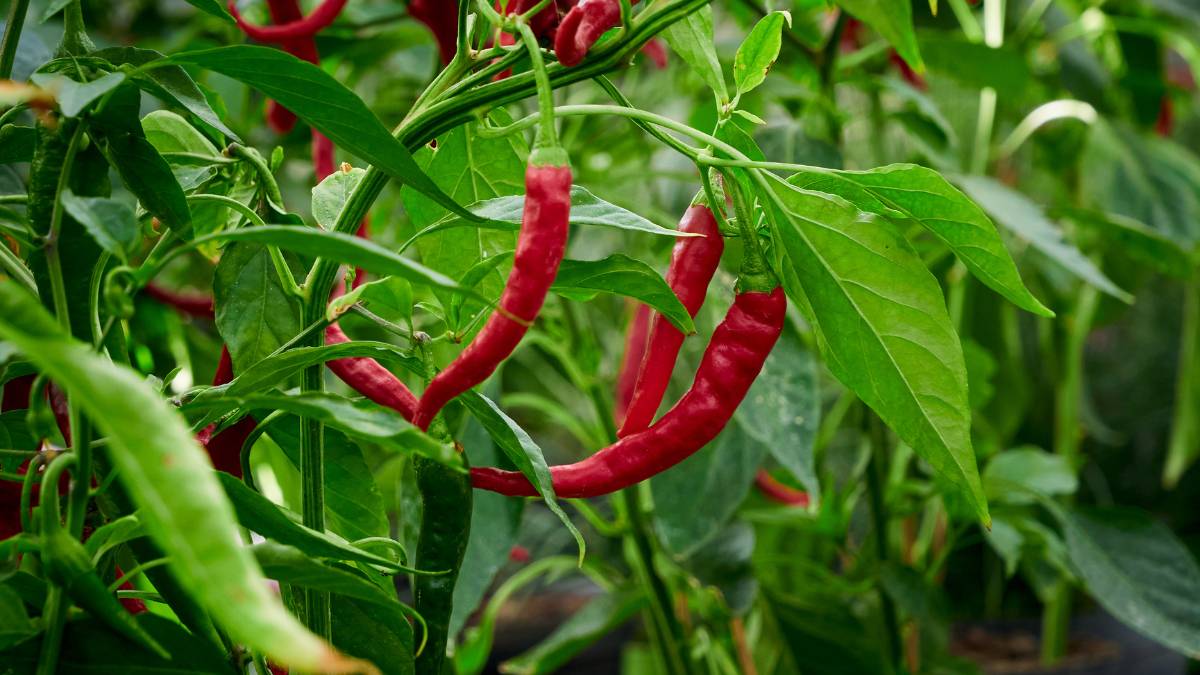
[(45, 169), (445, 525)]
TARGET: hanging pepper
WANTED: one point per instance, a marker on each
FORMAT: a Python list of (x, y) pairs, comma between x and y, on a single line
[(635, 350), (778, 492), (540, 248), (694, 260), (583, 26), (225, 448), (198, 305), (733, 359), (445, 528), (541, 243), (441, 17), (298, 29), (366, 376)]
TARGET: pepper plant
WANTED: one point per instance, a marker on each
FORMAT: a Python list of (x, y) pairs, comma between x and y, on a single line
[(448, 367)]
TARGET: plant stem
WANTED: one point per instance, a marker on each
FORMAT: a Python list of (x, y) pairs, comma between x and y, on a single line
[(879, 520), (1185, 431), (75, 41), (1056, 615), (17, 10)]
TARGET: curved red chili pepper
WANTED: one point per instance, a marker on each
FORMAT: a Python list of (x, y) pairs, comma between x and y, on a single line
[(1165, 123), (540, 247), (582, 26), (16, 393), (281, 32), (369, 378), (635, 350), (199, 305), (778, 492), (694, 260), (733, 359)]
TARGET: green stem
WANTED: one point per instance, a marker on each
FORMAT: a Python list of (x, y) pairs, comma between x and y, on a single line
[(879, 521), (17, 10), (547, 136), (54, 618), (141, 567), (1056, 615), (1185, 429), (75, 41)]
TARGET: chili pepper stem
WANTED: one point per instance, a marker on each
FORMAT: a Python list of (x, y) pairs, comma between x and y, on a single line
[(547, 135), (12, 35)]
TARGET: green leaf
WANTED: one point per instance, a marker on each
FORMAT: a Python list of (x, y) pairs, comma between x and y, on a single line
[(170, 84), (258, 514), (171, 135), (599, 617), (621, 275), (291, 566), (111, 222), (783, 410), (344, 248), (1004, 69), (1126, 236), (389, 298), (758, 51), (363, 420), (1138, 571), (1027, 220), (695, 498), (254, 315), (212, 7), (113, 534), (586, 209), (353, 504), (73, 97), (379, 633), (893, 21), (910, 192), (1152, 180), (470, 168), (168, 476), (323, 102), (15, 624), (275, 370), (1022, 475), (884, 327), (692, 39), (523, 452), (148, 177), (16, 143), (332, 193), (93, 649)]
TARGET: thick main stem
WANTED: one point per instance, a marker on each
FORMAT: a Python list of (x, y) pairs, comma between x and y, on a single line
[(879, 518), (312, 472)]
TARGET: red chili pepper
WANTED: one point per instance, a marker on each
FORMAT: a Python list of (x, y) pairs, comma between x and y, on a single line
[(369, 378), (16, 393), (441, 17), (657, 52), (519, 554), (693, 263), (543, 24), (910, 76), (199, 305), (582, 26), (283, 32), (1165, 124), (225, 448), (540, 248), (778, 492), (734, 357), (635, 350)]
